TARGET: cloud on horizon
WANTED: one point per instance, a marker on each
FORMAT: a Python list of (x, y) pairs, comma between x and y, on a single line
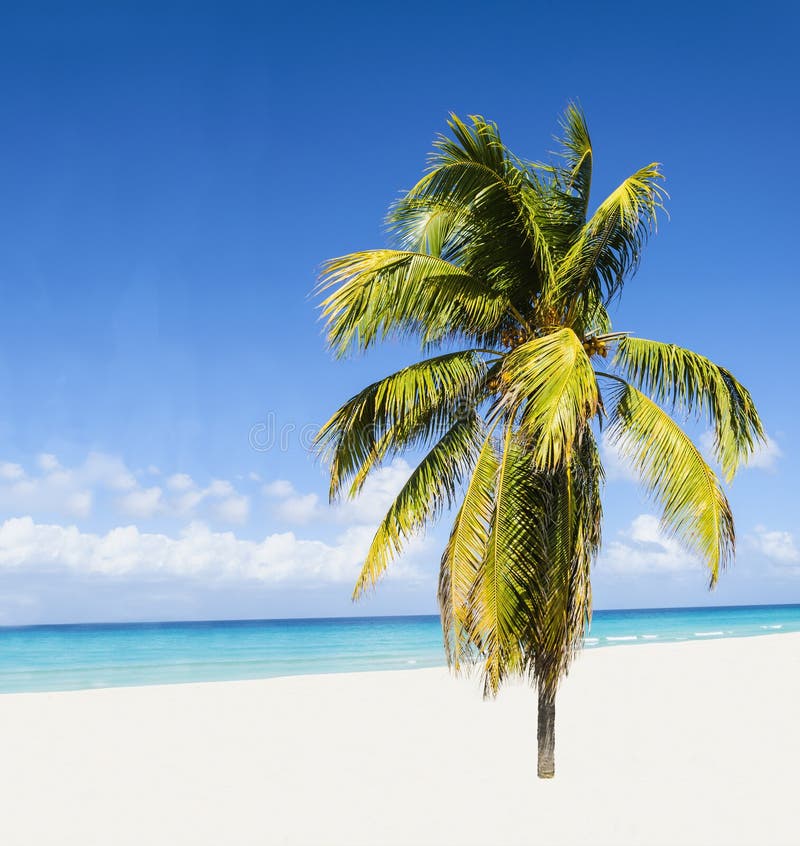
[(195, 552), (31, 544), (644, 548), (778, 546), (370, 507), (73, 492)]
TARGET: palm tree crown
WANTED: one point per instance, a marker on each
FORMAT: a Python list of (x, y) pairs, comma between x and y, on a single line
[(505, 278)]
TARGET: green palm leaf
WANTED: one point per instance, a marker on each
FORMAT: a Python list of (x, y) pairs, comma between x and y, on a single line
[(577, 153), (693, 504), (570, 181), (464, 554), (550, 384), (393, 293), (474, 171), (411, 407), (692, 383), (497, 599), (430, 488), (609, 247), (571, 509)]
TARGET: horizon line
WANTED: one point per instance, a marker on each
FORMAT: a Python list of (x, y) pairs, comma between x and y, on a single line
[(364, 617)]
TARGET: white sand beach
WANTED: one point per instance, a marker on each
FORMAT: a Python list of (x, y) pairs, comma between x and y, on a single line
[(694, 743)]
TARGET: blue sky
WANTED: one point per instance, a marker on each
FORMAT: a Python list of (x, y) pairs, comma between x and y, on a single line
[(172, 176)]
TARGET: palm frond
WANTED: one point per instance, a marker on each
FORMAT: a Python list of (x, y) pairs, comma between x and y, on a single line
[(489, 243), (570, 502), (694, 508), (497, 597), (525, 600), (410, 407), (474, 171), (431, 487), (379, 294), (576, 151), (464, 554), (478, 142), (592, 318), (562, 191), (550, 384), (609, 247), (567, 181), (435, 226), (691, 383)]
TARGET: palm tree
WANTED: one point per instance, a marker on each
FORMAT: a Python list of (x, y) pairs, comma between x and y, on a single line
[(505, 279)]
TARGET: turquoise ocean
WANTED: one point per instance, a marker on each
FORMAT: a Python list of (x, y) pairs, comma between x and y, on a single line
[(70, 657)]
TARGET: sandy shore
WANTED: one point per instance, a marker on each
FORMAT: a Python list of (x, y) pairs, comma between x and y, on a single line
[(665, 744)]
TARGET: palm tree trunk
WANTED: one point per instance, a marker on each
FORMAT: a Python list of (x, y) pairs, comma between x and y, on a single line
[(546, 734)]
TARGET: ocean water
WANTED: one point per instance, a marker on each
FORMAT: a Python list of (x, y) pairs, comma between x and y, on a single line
[(39, 658)]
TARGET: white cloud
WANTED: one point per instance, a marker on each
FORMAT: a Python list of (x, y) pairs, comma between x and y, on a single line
[(615, 466), (218, 488), (59, 489), (47, 462), (368, 508), (778, 546), (766, 456), (143, 502), (108, 471), (79, 503), (278, 488), (11, 471), (644, 548), (376, 496), (235, 509), (196, 552), (298, 509), (52, 490), (56, 489), (186, 503), (180, 482), (227, 504)]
